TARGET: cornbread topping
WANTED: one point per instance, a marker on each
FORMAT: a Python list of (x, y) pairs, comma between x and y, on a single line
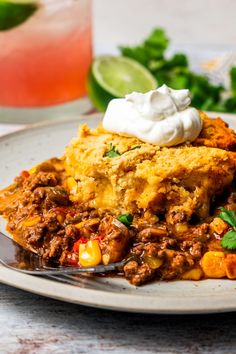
[(161, 117)]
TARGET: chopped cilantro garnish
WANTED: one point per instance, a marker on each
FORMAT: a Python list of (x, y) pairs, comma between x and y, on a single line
[(135, 147), (112, 152), (228, 216), (126, 219), (229, 239)]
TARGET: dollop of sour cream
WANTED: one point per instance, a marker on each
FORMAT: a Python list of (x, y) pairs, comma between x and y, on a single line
[(162, 117)]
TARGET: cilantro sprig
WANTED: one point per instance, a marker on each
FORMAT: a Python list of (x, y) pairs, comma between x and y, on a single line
[(112, 152), (228, 216), (126, 219), (175, 72), (229, 239)]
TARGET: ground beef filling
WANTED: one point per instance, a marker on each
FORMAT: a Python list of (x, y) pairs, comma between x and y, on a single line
[(41, 217)]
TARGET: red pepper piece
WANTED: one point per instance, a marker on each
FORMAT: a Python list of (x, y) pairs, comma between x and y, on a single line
[(25, 174), (77, 243)]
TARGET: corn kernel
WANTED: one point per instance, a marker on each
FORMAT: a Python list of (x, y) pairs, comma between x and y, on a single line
[(32, 221), (230, 265), (79, 225), (153, 262), (105, 259), (213, 264), (193, 274), (60, 218), (72, 185), (90, 254), (181, 227), (33, 169)]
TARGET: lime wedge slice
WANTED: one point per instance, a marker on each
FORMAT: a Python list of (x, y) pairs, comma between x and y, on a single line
[(99, 97), (12, 14), (112, 77), (120, 75)]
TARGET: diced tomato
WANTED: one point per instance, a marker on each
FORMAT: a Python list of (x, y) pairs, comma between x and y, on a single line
[(25, 174), (77, 243)]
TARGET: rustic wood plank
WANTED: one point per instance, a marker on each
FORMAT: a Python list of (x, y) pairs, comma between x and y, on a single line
[(31, 324)]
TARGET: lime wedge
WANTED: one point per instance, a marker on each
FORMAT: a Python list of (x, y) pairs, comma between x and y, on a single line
[(99, 97), (121, 75), (112, 77), (12, 14)]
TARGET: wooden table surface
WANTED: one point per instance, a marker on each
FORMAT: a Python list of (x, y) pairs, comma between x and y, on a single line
[(30, 324)]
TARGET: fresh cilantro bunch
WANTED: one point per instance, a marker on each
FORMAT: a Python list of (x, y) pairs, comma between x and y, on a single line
[(175, 72), (229, 239), (152, 48)]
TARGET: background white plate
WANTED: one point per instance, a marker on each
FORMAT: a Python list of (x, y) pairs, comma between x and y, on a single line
[(26, 148)]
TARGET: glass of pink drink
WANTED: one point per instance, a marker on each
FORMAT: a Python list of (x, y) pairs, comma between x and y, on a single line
[(45, 60)]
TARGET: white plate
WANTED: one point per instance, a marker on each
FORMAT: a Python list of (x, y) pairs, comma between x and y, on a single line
[(24, 149)]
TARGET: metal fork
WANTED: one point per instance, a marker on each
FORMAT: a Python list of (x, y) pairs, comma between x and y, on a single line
[(16, 257)]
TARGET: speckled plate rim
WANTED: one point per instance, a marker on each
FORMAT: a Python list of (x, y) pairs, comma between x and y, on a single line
[(119, 302), (207, 296)]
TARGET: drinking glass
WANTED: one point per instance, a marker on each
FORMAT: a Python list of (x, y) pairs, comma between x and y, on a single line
[(44, 61)]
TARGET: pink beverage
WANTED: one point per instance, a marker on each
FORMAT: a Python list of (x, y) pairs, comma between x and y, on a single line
[(45, 60)]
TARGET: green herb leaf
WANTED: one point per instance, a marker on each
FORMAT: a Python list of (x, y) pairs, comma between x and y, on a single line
[(135, 147), (156, 43), (229, 240), (126, 219), (112, 152), (153, 48), (228, 216)]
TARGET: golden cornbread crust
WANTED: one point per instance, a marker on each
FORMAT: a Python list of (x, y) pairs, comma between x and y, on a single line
[(216, 133), (178, 181)]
